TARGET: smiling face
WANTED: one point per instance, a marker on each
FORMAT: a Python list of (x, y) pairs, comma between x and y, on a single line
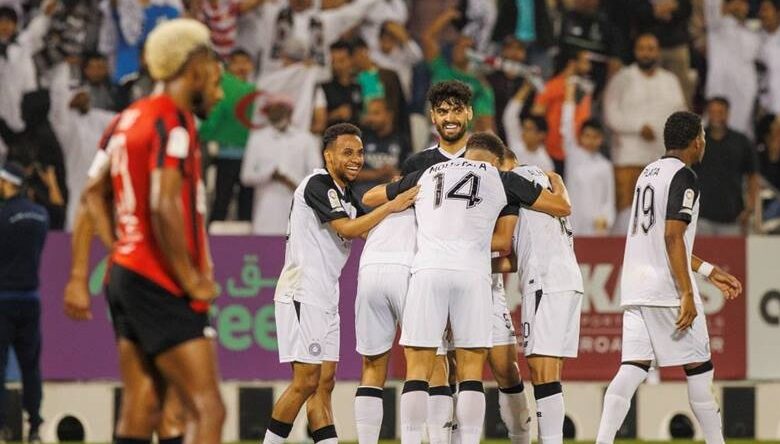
[(451, 120), (344, 157)]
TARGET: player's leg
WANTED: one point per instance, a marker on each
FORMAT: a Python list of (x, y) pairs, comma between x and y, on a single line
[(318, 407), (512, 400), (424, 322), (381, 295), (191, 367), (635, 362), (470, 410), (703, 401), (139, 412), (304, 383), (440, 402), (368, 398), (27, 346), (171, 428)]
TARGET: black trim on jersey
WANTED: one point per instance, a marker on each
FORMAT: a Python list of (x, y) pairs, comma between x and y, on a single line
[(408, 181), (509, 210), (108, 134), (425, 159), (297, 307), (162, 134), (682, 185), (538, 299), (318, 194), (519, 190)]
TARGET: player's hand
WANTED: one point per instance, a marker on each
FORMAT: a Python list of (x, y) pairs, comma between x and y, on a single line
[(404, 200), (77, 303), (202, 288), (450, 15), (647, 133), (726, 283), (687, 312)]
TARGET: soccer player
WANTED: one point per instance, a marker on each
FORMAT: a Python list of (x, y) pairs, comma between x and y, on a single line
[(384, 275), (456, 210), (160, 280), (325, 217), (663, 318), (551, 287)]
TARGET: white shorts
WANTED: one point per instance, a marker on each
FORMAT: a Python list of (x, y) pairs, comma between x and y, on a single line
[(379, 306), (650, 333), (306, 333), (551, 323), (503, 330), (434, 296)]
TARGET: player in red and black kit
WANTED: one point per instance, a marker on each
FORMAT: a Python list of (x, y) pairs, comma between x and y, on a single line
[(160, 281)]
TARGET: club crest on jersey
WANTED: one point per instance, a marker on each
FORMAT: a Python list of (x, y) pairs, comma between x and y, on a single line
[(688, 198), (315, 349), (333, 198)]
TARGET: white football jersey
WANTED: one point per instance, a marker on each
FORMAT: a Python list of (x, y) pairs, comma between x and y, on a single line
[(315, 253), (666, 190), (392, 241), (456, 211), (544, 246)]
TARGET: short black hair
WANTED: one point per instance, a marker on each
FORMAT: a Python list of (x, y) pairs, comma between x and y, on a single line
[(359, 43), (449, 91), (565, 56), (681, 129), (539, 122), (240, 52), (487, 141), (9, 13), (341, 45), (719, 99), (340, 129), (594, 124), (775, 3), (764, 126)]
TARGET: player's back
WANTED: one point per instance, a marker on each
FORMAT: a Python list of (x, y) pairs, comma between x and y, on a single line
[(544, 246), (152, 133), (456, 211), (666, 189), (392, 241)]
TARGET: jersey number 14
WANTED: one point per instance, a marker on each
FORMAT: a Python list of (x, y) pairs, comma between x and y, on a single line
[(466, 189)]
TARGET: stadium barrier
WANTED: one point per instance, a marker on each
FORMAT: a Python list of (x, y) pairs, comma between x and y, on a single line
[(745, 336)]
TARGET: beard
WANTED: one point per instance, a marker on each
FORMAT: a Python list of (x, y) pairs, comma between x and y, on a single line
[(451, 138), (646, 65), (199, 107)]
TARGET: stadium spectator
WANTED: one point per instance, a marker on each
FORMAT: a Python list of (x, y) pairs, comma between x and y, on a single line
[(224, 127), (301, 21), (589, 175), (483, 101), (549, 102), (768, 136), (382, 13), (505, 82), (221, 16), (396, 50), (526, 133), (73, 30), (277, 158), (138, 84), (342, 96), (103, 93), (527, 21), (732, 50), (23, 227), (637, 102), (125, 27), (769, 57), (476, 20), (385, 147), (729, 167), (585, 28), (669, 20)]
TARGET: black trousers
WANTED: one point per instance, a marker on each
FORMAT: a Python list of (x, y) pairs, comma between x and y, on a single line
[(228, 178), (20, 328)]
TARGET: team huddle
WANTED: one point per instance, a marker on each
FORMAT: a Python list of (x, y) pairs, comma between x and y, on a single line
[(438, 241)]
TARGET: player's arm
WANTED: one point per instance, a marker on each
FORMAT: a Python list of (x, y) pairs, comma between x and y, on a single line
[(726, 282), (353, 228), (384, 193), (683, 191), (522, 192), (504, 231), (506, 264)]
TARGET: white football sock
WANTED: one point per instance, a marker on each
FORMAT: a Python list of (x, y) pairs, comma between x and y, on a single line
[(617, 400), (470, 411), (440, 408), (703, 402), (414, 409), (549, 412), (368, 414), (277, 432), (513, 407)]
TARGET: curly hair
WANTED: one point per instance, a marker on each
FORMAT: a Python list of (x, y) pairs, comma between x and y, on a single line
[(681, 129), (340, 129), (451, 91)]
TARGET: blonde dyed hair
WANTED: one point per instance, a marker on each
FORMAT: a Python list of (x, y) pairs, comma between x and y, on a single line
[(170, 45)]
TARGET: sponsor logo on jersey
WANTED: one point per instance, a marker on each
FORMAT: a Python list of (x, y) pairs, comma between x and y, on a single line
[(688, 198), (333, 197)]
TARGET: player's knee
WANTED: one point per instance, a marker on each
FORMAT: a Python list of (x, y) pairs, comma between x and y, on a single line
[(208, 406), (326, 386), (306, 384)]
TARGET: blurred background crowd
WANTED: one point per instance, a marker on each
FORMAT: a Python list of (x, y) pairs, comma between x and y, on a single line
[(579, 86)]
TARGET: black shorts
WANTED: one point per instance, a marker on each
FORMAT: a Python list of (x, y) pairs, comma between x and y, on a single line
[(149, 315)]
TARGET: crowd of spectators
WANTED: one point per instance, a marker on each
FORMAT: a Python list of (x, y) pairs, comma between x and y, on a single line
[(579, 86)]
